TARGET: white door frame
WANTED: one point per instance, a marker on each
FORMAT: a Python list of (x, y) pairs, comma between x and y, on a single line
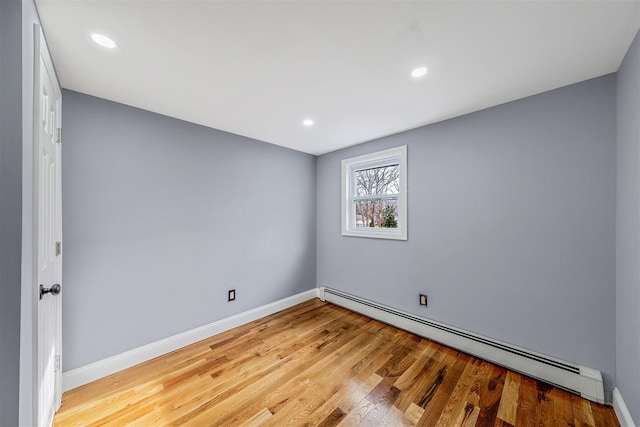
[(41, 49)]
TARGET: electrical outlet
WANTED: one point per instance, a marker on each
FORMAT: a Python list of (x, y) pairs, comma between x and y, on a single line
[(423, 300), (232, 295)]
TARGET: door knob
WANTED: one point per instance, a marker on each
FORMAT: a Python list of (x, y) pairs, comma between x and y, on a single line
[(53, 290)]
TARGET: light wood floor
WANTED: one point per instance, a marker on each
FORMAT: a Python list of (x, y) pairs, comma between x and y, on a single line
[(318, 364)]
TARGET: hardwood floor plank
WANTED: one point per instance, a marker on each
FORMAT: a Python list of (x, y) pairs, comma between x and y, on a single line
[(354, 396), (479, 381), (502, 423), (355, 389), (509, 401), (308, 403), (394, 418), (526, 410), (469, 416), (357, 414), (383, 396), (424, 379), (320, 365), (582, 414), (362, 378), (333, 418), (562, 409), (407, 379), (604, 416), (399, 363), (437, 396), (350, 385), (543, 405), (258, 419), (414, 413), (490, 394), (456, 405)]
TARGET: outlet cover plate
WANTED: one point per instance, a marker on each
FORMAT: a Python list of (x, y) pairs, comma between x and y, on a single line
[(423, 300)]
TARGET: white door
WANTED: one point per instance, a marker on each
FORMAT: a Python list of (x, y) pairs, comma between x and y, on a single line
[(48, 231)]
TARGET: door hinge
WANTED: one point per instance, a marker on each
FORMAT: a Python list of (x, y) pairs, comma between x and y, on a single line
[(57, 363), (58, 248), (59, 135)]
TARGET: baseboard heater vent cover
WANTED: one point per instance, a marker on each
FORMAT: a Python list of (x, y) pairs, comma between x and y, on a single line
[(580, 380)]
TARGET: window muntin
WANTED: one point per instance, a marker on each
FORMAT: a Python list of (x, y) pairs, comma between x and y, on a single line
[(374, 195)]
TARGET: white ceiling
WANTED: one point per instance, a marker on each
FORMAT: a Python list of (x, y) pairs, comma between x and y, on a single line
[(258, 68)]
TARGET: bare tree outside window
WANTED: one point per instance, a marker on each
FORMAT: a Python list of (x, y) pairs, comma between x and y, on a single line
[(377, 191)]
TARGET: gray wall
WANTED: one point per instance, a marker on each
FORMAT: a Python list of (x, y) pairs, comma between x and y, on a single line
[(162, 217), (10, 206), (511, 225), (628, 231)]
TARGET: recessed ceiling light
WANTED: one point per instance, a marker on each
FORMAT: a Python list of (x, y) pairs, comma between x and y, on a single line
[(103, 40), (419, 72), (308, 122)]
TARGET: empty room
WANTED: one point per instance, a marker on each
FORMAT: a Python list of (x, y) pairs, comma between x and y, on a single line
[(321, 213)]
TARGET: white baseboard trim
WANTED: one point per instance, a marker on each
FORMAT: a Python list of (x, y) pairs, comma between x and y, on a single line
[(621, 410), (102, 368)]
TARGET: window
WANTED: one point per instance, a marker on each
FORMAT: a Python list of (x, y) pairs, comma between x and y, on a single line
[(374, 195)]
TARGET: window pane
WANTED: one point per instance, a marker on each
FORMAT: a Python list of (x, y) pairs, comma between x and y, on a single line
[(378, 181), (377, 213)]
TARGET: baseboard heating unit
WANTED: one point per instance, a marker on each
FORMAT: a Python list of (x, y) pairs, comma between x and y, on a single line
[(580, 380)]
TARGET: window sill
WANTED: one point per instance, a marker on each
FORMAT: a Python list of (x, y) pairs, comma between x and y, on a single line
[(376, 234)]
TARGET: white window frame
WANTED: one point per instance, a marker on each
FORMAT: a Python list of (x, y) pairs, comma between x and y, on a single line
[(392, 156)]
